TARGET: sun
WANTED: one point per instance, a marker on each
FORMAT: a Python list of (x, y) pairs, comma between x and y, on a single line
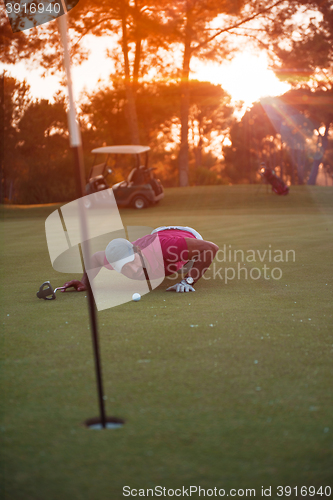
[(246, 78)]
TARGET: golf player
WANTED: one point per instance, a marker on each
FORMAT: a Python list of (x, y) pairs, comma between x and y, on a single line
[(178, 246)]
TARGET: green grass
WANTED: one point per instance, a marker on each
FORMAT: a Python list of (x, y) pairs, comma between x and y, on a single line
[(244, 403)]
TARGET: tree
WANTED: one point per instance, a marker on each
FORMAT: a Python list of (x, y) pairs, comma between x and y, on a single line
[(307, 63), (316, 108), (191, 19), (310, 48), (158, 111), (37, 161), (142, 22), (199, 38), (46, 170), (253, 140), (289, 132), (39, 46), (210, 113), (144, 30), (139, 26), (295, 130), (103, 112), (15, 98)]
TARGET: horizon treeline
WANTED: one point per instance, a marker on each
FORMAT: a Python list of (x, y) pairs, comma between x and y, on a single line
[(195, 135)]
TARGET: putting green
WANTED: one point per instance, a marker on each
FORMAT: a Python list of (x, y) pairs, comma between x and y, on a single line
[(229, 387)]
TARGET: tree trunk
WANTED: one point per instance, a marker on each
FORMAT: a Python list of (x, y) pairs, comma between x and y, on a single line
[(297, 164), (2, 140), (317, 161), (198, 155), (185, 109), (138, 49), (300, 165), (131, 113), (314, 172)]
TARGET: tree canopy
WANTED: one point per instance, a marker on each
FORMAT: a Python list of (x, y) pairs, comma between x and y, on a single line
[(151, 97)]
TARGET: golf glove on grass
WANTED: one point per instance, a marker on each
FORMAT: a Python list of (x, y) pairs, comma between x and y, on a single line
[(78, 285), (181, 287)]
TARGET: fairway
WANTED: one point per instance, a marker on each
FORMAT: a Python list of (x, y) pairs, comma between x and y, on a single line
[(229, 387)]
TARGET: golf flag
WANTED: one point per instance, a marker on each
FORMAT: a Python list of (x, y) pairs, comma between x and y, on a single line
[(74, 130)]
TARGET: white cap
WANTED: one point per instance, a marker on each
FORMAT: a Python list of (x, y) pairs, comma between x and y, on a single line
[(119, 252)]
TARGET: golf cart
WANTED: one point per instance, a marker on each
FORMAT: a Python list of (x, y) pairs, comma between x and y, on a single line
[(140, 190)]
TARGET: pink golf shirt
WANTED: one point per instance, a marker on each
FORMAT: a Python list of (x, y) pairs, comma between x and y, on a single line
[(173, 246)]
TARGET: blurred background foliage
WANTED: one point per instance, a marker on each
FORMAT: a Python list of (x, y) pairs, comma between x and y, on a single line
[(38, 163), (196, 134)]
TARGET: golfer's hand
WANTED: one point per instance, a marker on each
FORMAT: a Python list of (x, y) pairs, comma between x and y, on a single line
[(181, 287), (78, 285)]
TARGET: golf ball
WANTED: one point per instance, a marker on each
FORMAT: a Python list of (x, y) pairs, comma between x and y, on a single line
[(136, 297)]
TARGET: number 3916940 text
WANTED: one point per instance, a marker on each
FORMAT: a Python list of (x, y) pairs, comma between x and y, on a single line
[(286, 491), (33, 8)]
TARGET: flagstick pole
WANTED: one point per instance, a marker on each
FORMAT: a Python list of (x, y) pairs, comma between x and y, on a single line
[(76, 144)]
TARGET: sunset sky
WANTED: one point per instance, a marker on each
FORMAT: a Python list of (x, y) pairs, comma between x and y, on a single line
[(246, 77)]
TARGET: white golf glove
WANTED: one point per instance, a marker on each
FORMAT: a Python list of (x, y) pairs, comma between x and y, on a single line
[(181, 287)]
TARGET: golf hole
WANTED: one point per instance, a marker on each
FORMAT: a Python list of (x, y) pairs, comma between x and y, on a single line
[(95, 423)]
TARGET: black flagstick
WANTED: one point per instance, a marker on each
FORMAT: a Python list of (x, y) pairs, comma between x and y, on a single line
[(76, 144), (137, 250)]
